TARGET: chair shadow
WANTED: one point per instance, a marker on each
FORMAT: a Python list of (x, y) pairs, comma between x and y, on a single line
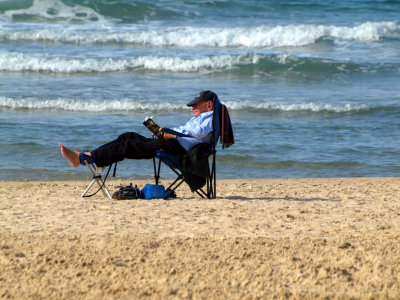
[(241, 198)]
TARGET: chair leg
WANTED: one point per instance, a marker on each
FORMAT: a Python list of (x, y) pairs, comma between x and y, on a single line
[(88, 188), (211, 180), (214, 177), (156, 170), (180, 177), (98, 179)]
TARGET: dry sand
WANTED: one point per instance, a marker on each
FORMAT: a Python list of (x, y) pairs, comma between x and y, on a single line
[(281, 239)]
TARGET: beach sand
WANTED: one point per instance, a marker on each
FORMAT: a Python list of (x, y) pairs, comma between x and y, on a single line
[(333, 238)]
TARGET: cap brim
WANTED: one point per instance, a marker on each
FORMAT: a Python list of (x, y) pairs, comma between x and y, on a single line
[(194, 101)]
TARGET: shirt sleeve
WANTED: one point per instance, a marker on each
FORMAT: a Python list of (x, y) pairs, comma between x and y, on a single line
[(197, 127)]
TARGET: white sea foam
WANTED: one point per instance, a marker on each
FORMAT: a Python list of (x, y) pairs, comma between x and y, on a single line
[(87, 105), (138, 105), (56, 10), (16, 62), (49, 62), (295, 107), (253, 37)]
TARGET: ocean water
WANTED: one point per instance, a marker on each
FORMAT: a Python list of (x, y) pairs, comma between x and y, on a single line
[(312, 87)]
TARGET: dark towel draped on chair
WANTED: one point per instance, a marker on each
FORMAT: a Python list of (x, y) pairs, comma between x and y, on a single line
[(227, 138), (194, 166)]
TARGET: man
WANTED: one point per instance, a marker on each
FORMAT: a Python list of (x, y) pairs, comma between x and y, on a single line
[(132, 145)]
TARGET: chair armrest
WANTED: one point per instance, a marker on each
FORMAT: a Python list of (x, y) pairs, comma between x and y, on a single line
[(167, 130)]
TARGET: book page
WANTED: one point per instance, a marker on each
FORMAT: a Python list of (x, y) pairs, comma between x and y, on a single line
[(152, 125)]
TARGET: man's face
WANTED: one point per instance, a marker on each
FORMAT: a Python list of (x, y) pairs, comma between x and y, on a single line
[(202, 106)]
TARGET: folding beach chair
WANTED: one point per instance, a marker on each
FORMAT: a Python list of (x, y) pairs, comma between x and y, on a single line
[(209, 151), (97, 177)]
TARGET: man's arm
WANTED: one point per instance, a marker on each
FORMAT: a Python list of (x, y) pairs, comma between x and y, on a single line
[(167, 133)]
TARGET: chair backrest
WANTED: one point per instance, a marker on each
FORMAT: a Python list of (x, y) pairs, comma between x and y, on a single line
[(216, 122)]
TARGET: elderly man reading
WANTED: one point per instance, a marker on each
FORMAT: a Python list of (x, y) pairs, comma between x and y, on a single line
[(132, 145)]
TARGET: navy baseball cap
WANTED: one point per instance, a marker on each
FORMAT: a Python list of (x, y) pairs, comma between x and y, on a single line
[(202, 96)]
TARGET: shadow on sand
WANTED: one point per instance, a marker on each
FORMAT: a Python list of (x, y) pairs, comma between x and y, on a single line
[(241, 198)]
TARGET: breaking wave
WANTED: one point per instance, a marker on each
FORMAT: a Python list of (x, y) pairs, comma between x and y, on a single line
[(192, 37), (130, 105), (19, 62), (248, 64)]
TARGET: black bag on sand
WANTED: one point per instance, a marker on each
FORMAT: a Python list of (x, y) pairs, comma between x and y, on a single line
[(128, 192)]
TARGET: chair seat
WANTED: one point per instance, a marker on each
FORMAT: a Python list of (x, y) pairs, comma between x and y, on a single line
[(169, 159)]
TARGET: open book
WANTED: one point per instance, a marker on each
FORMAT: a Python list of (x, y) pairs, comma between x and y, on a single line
[(154, 127)]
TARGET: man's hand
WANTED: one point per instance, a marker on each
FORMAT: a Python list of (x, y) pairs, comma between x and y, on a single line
[(166, 135)]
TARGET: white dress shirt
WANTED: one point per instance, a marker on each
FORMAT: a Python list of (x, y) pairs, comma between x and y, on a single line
[(199, 128)]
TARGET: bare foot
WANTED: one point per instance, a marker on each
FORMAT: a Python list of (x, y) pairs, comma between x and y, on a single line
[(72, 156)]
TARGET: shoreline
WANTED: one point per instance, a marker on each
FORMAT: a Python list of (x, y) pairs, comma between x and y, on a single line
[(308, 238)]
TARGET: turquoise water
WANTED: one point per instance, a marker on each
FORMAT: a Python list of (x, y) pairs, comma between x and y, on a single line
[(312, 87)]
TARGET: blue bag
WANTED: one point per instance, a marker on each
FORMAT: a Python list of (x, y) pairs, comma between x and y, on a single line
[(151, 191)]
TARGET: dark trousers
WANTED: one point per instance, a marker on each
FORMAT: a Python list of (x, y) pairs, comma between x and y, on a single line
[(132, 145)]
